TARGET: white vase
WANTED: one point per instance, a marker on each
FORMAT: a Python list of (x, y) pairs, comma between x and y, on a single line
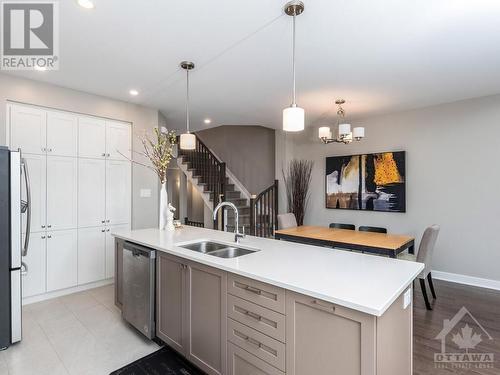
[(163, 206)]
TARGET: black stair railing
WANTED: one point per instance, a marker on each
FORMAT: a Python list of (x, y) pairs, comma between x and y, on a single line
[(210, 171), (264, 212)]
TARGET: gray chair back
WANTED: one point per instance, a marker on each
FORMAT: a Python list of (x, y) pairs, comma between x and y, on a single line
[(286, 221), (426, 249)]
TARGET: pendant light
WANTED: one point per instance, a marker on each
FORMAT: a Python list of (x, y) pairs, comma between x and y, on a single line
[(293, 116), (188, 140)]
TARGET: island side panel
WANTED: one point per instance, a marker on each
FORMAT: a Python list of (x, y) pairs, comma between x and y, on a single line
[(395, 339), (119, 272)]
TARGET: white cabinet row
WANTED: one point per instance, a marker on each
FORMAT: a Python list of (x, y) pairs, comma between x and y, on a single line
[(48, 132), (64, 259), (67, 193)]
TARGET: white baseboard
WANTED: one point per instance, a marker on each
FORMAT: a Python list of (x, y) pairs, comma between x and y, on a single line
[(63, 292), (467, 280)]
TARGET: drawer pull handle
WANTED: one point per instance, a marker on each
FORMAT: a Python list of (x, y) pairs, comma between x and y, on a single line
[(253, 290), (251, 341), (253, 315), (322, 305)]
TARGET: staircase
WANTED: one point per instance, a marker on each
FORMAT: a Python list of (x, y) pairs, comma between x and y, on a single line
[(257, 215)]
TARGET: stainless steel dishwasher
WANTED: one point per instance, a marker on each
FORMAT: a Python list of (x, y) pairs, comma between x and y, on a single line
[(139, 288)]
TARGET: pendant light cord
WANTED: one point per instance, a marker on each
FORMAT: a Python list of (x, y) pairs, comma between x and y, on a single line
[(294, 104), (187, 100)]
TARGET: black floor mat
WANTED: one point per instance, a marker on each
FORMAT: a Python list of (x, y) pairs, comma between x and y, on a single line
[(165, 361)]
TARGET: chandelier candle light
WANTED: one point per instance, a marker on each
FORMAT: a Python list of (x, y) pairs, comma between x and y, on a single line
[(345, 135), (188, 140), (293, 116)]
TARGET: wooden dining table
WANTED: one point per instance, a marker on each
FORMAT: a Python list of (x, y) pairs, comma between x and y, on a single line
[(369, 242)]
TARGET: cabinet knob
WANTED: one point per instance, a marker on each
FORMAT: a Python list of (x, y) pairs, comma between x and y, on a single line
[(43, 226), (103, 221), (103, 230), (103, 154), (49, 150), (107, 221), (49, 236), (108, 155), (107, 230), (43, 237), (49, 226)]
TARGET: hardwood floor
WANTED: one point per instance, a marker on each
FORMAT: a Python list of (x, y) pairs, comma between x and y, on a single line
[(483, 304)]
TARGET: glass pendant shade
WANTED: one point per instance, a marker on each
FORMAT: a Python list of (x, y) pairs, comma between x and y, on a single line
[(358, 132), (324, 132), (293, 119), (188, 141), (344, 129)]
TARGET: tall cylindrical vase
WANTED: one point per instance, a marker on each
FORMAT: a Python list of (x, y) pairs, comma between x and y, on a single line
[(163, 206)]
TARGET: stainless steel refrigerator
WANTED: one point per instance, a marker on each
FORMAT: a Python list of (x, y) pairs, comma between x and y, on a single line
[(13, 173)]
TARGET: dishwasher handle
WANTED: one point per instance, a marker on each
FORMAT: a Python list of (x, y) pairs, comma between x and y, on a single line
[(139, 251)]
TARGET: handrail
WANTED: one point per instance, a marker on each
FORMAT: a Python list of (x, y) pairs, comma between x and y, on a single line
[(264, 212), (211, 170)]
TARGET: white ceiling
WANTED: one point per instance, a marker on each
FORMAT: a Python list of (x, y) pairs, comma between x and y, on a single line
[(381, 56)]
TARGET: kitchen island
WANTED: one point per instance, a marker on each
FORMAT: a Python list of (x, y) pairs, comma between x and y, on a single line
[(285, 309)]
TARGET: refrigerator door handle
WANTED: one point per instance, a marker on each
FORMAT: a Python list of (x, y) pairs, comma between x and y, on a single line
[(28, 208)]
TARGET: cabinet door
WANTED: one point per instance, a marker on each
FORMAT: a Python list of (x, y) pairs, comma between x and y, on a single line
[(36, 165), (118, 192), (207, 289), (91, 192), (62, 192), (325, 339), (171, 313), (34, 278), (91, 254), (28, 129), (118, 140), (110, 249), (62, 134), (91, 137), (62, 259)]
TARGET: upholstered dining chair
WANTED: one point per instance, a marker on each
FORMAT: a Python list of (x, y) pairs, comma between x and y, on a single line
[(365, 228), (424, 255), (286, 221), (343, 226)]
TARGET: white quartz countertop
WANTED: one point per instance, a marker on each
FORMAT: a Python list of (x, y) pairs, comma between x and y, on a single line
[(366, 283)]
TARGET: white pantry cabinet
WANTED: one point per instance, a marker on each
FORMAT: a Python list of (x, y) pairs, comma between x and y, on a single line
[(80, 192), (91, 137), (91, 254), (118, 140), (34, 279), (37, 171), (28, 129), (62, 259), (62, 134), (118, 194), (91, 192), (62, 188)]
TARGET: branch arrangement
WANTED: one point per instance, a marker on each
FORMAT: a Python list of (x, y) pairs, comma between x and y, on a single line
[(297, 178), (159, 150)]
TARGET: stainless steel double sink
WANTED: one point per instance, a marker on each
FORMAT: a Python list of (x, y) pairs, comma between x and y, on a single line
[(218, 249)]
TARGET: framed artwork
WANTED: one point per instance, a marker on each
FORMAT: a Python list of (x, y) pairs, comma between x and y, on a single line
[(369, 182)]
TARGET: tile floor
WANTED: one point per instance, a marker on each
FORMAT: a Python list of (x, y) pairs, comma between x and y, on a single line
[(81, 333)]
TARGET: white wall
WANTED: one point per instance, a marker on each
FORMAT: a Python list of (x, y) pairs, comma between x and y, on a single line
[(144, 210), (453, 179)]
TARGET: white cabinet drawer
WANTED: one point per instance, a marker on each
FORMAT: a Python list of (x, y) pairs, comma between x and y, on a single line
[(241, 362), (269, 350), (263, 320), (257, 292)]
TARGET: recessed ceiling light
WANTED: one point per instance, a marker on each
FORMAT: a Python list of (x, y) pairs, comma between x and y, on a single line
[(207, 121), (40, 68), (87, 4), (133, 92)]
